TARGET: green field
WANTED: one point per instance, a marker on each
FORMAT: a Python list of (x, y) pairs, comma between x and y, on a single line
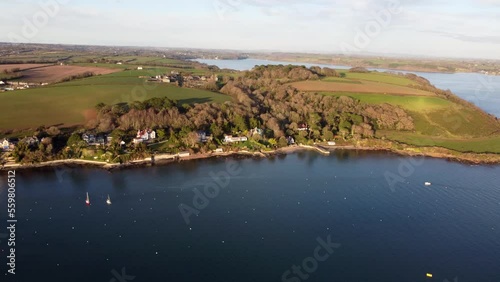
[(474, 145), (412, 103), (377, 77), (72, 103), (438, 122)]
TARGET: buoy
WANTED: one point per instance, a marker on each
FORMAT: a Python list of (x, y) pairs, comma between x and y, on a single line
[(429, 275)]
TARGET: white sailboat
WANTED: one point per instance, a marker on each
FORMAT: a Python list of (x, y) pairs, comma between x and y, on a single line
[(87, 201), (427, 184), (108, 201)]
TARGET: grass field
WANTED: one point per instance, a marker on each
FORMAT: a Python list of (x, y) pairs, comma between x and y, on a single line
[(412, 103), (473, 145), (379, 78), (73, 102), (438, 122), (364, 87)]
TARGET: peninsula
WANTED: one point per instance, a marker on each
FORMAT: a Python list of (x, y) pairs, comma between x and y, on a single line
[(112, 107)]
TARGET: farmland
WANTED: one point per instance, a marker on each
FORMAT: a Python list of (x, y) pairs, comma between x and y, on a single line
[(52, 74), (10, 67), (412, 103), (438, 122), (358, 86), (74, 104)]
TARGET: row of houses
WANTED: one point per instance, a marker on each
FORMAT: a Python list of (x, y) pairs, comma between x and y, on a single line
[(146, 135), (186, 80), (9, 144), (18, 85), (96, 140)]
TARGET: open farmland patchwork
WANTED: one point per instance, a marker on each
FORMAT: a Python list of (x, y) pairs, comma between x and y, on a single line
[(72, 105), (51, 74), (10, 67)]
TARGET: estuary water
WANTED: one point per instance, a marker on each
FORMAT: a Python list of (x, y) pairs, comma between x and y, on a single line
[(352, 216), (482, 90)]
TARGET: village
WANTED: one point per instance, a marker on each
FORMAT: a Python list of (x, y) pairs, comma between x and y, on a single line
[(93, 142), (182, 80)]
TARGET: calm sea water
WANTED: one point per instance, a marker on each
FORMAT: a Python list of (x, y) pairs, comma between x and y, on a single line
[(266, 217), (482, 90)]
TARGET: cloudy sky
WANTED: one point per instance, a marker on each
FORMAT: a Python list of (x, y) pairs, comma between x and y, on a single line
[(459, 28)]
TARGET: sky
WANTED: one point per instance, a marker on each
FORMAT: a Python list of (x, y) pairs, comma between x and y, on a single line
[(436, 28)]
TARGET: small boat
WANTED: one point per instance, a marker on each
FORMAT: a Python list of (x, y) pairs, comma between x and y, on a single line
[(87, 201), (108, 201), (429, 275), (428, 184)]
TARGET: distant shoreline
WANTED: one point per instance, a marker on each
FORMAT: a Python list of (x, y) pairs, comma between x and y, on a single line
[(162, 159), (404, 69)]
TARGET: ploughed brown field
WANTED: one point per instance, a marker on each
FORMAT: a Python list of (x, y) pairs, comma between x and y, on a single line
[(55, 73), (20, 66), (364, 87)]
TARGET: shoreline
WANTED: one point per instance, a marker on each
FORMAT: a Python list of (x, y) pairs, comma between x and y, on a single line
[(163, 159), (408, 69)]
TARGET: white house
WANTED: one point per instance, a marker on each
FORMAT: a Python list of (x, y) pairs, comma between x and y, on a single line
[(119, 63), (146, 135), (303, 127), (231, 139), (6, 145), (219, 150), (331, 143), (257, 131), (2, 83), (139, 68)]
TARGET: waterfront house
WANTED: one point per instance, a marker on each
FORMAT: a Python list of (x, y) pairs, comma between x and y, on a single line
[(231, 139), (89, 138), (331, 143), (31, 141), (303, 127), (290, 140), (146, 135), (219, 150), (202, 137), (257, 131), (5, 144)]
